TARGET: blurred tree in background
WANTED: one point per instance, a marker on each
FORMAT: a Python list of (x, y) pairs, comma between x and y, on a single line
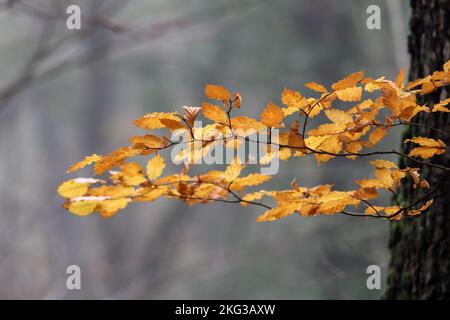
[(420, 248)]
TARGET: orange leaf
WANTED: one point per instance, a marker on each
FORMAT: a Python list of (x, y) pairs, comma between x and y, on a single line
[(216, 92), (272, 116)]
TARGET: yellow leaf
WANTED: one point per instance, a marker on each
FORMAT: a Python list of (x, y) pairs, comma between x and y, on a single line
[(155, 167), (349, 94), (114, 159), (338, 116), (293, 99), (152, 120), (217, 92), (426, 152), (113, 191), (384, 164), (72, 189), (313, 108), (272, 116), (400, 78), (366, 193), (353, 147), (316, 87), (371, 86), (330, 145), (233, 171), (327, 129), (376, 135), (245, 123), (427, 142), (150, 194), (288, 111), (214, 113), (131, 174), (83, 208), (148, 140), (172, 125), (277, 213), (258, 195), (384, 177), (108, 208), (374, 210), (87, 161), (349, 81), (441, 106), (314, 142), (251, 180)]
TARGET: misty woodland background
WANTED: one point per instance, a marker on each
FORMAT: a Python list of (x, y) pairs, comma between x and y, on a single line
[(66, 94)]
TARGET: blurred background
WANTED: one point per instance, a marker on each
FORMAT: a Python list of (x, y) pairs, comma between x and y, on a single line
[(66, 93)]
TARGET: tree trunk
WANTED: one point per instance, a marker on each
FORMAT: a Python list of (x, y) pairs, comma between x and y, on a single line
[(420, 247)]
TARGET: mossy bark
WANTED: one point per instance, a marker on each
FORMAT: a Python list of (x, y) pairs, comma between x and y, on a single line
[(420, 247)]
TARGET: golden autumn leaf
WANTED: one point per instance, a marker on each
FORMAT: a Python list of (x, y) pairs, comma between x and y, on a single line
[(114, 159), (428, 147), (108, 208), (233, 171), (150, 194), (441, 106), (216, 92), (316, 87), (251, 180), (427, 142), (372, 85), (400, 78), (293, 99), (172, 125), (313, 108), (214, 113), (112, 191), (246, 123), (150, 141), (71, 189), (327, 129), (155, 167), (83, 208), (349, 94), (272, 116), (349, 81), (130, 174), (376, 135), (152, 120), (338, 116), (366, 193), (425, 152), (277, 213), (330, 145), (384, 164), (87, 161), (254, 196)]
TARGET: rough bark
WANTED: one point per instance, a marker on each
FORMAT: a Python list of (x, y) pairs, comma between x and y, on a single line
[(420, 247)]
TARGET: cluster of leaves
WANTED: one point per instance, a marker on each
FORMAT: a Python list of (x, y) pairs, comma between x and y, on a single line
[(347, 133)]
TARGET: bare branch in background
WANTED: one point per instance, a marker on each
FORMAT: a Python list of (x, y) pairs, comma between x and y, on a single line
[(47, 51)]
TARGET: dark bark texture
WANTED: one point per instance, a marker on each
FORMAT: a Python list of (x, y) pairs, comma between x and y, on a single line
[(420, 247)]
